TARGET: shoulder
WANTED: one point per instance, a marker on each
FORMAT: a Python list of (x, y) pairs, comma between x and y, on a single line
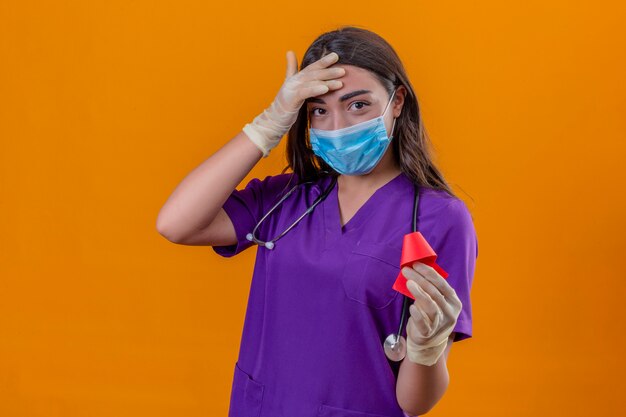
[(270, 186), (273, 181), (445, 205), (435, 204), (436, 197), (456, 231), (449, 214), (457, 215)]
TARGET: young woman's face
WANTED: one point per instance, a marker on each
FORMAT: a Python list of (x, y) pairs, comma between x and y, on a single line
[(362, 97)]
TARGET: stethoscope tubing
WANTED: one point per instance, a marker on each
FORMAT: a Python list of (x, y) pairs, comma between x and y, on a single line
[(270, 243), (406, 300), (394, 339)]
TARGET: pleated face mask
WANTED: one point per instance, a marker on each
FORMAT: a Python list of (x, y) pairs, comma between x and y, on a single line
[(356, 149)]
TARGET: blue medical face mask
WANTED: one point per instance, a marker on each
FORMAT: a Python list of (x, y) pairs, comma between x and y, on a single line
[(356, 149)]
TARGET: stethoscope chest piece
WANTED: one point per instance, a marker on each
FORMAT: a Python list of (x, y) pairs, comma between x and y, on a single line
[(395, 347)]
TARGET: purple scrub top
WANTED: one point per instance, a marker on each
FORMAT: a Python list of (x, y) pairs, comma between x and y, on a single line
[(321, 303)]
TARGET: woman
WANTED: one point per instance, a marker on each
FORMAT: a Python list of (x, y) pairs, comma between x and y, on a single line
[(321, 301)]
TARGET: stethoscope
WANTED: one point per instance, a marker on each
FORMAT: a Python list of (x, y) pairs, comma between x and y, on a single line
[(395, 343)]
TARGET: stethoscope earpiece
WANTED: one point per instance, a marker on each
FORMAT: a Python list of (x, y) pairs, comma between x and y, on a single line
[(269, 244)]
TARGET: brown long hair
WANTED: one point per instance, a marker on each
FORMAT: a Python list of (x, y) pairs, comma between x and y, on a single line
[(411, 144)]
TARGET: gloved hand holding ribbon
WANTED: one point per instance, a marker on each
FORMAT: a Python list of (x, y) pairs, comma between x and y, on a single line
[(437, 306)]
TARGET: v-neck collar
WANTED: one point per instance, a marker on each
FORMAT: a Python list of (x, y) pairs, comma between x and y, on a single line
[(332, 215)]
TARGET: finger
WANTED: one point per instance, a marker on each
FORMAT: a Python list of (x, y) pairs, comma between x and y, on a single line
[(318, 88), (323, 62), (441, 303), (428, 288), (423, 302), (432, 302), (292, 64), (433, 323), (414, 285), (425, 328), (312, 90), (332, 84), (419, 325), (436, 280), (421, 297), (438, 321), (425, 285), (324, 74)]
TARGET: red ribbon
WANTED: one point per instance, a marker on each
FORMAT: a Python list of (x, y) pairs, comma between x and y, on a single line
[(415, 248)]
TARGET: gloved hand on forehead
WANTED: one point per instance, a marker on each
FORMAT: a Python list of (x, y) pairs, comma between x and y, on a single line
[(268, 128), (434, 313)]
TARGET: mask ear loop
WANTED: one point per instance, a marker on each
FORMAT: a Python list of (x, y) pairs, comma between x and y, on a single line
[(394, 119), (388, 103), (392, 126)]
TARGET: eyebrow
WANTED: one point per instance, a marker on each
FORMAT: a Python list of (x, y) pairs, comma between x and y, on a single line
[(341, 99)]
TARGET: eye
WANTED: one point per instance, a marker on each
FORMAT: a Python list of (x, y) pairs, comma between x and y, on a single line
[(365, 103), (315, 108), (356, 104)]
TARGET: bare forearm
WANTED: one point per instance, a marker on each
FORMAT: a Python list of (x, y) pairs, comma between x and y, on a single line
[(420, 387), (196, 200)]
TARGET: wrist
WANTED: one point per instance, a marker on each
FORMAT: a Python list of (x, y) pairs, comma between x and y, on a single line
[(427, 355), (257, 138), (269, 127)]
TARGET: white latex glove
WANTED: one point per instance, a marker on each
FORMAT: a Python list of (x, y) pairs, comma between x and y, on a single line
[(268, 128), (433, 314)]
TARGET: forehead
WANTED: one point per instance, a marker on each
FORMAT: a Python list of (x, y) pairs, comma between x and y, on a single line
[(355, 78), (354, 74)]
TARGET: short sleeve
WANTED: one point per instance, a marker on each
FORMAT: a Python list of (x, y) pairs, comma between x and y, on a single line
[(457, 251), (246, 207)]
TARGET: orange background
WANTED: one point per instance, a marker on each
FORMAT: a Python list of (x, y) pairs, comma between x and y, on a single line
[(106, 105)]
